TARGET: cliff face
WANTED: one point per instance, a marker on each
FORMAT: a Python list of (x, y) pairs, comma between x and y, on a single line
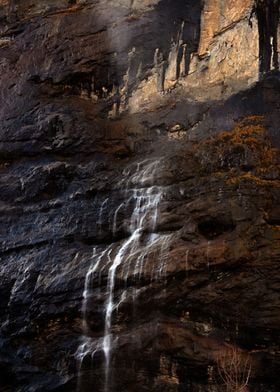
[(139, 195)]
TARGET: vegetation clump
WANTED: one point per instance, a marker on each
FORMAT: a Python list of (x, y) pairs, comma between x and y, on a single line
[(244, 154)]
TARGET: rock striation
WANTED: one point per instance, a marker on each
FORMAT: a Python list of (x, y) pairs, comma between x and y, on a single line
[(139, 195)]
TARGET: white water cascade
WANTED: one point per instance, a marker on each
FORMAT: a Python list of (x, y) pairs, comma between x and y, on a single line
[(128, 259)]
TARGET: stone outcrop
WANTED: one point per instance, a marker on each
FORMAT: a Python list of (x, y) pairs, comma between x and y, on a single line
[(154, 115)]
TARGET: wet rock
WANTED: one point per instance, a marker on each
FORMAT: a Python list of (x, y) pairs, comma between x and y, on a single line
[(125, 116)]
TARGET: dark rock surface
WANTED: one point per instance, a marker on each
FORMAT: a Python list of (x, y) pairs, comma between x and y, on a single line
[(65, 161)]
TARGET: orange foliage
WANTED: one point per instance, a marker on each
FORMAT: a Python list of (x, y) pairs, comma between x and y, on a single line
[(228, 154)]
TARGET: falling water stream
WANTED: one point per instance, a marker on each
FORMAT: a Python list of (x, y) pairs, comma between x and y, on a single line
[(128, 260)]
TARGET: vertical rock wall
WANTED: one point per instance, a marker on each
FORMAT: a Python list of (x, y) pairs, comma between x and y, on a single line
[(224, 60), (92, 91)]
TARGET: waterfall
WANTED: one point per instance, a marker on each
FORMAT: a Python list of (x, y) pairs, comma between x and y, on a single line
[(126, 259)]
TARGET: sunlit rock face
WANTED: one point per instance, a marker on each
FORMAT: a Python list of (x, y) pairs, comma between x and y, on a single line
[(228, 52), (139, 195), (226, 59), (219, 15)]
